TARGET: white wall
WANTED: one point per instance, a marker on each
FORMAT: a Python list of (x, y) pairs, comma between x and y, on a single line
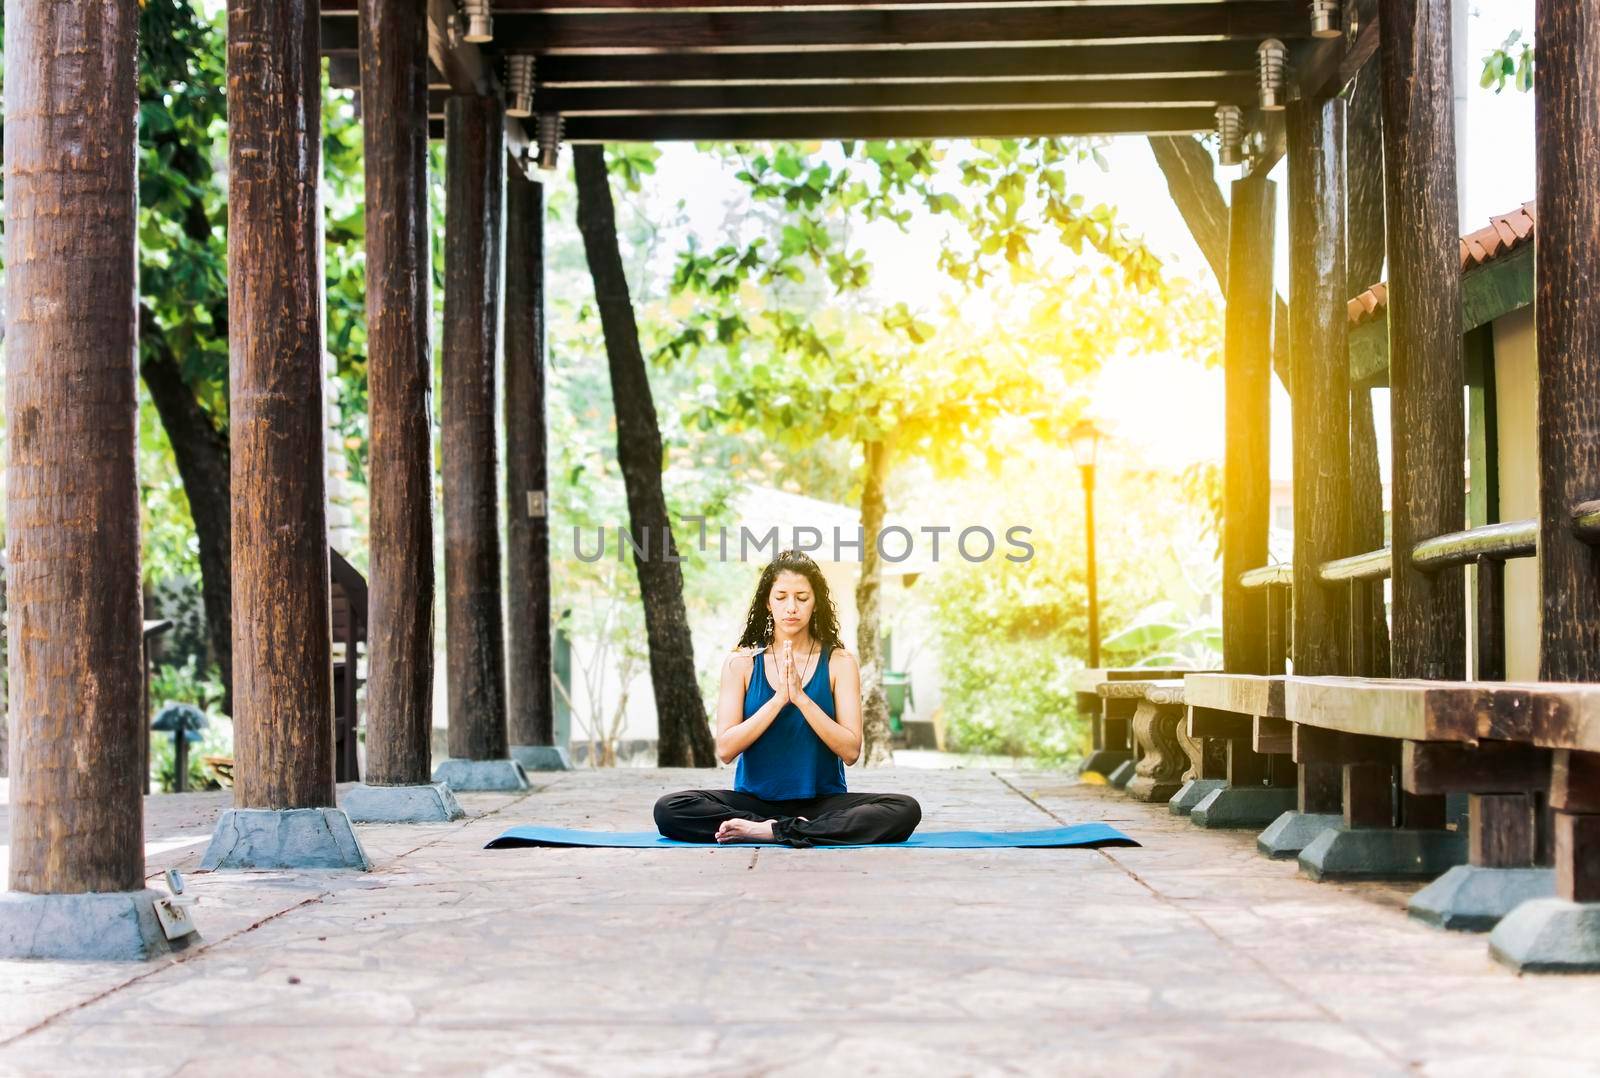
[(1516, 382)]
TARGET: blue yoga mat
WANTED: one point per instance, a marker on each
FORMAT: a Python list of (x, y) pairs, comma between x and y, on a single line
[(1082, 835)]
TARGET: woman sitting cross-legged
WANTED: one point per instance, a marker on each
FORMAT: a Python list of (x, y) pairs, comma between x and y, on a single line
[(790, 710)]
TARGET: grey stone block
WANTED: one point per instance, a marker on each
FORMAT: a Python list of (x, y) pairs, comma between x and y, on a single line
[(431, 803), (118, 926), (285, 839), (482, 775), (1470, 898), (1122, 775), (1105, 761), (1192, 793), (541, 757), (1549, 935), (1382, 853), (1293, 831), (1243, 806)]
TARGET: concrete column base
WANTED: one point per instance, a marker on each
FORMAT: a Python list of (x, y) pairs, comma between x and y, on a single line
[(482, 775), (1292, 832), (1192, 793), (1122, 775), (116, 926), (541, 757), (1549, 935), (432, 803), (1470, 898), (1382, 853), (1105, 761), (284, 839), (1243, 806)]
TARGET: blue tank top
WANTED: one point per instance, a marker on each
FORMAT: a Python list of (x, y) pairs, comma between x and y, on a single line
[(789, 760)]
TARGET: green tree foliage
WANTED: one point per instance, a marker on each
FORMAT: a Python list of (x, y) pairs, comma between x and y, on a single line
[(1511, 63)]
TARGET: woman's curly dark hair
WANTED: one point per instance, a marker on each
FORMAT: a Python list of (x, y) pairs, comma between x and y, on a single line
[(824, 618)]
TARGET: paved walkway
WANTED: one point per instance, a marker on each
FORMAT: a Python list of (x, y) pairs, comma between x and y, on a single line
[(1190, 955)]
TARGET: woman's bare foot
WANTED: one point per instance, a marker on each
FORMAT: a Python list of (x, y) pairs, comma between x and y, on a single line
[(737, 830)]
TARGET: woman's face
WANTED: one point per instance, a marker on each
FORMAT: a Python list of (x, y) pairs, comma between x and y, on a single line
[(791, 602)]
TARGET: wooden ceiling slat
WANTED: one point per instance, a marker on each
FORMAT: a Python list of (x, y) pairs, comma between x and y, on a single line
[(615, 7), (786, 97), (911, 65), (760, 127), (789, 32), (947, 123)]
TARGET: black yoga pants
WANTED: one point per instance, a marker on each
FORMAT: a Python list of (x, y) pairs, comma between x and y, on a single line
[(830, 820)]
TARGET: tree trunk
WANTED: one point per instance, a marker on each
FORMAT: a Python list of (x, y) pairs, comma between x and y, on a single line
[(685, 737), (394, 89), (1364, 266), (473, 622), (528, 696), (1426, 375), (1321, 431), (1191, 179), (283, 642), (875, 733), (201, 452), (72, 484)]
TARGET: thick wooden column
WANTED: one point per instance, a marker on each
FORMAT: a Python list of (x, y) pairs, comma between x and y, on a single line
[(1567, 317), (1425, 367), (1364, 255), (528, 689), (72, 490), (394, 92), (282, 638), (1246, 485), (1321, 382), (474, 625)]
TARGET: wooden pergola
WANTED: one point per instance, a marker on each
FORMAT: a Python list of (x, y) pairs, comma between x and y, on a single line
[(616, 70)]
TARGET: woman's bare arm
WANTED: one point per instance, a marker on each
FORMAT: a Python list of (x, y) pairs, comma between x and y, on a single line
[(735, 733), (842, 736)]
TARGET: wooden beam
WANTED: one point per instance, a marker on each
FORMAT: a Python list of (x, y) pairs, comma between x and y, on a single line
[(1321, 373), (1567, 317), (1368, 794), (1488, 767), (648, 7), (72, 420), (282, 636), (1316, 745), (1269, 735), (1208, 722), (1425, 366), (779, 97), (529, 698), (1503, 830), (1198, 59), (656, 31), (474, 624), (953, 123), (400, 391)]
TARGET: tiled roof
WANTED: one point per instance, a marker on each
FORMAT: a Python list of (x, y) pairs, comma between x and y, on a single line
[(1504, 233)]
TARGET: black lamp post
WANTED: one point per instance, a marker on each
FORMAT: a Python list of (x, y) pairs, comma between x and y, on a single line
[(1085, 439)]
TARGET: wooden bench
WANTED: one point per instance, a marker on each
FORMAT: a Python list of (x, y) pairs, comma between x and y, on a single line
[(1236, 722), (1503, 744)]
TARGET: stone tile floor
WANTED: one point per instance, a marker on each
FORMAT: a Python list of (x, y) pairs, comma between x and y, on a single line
[(1189, 955)]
